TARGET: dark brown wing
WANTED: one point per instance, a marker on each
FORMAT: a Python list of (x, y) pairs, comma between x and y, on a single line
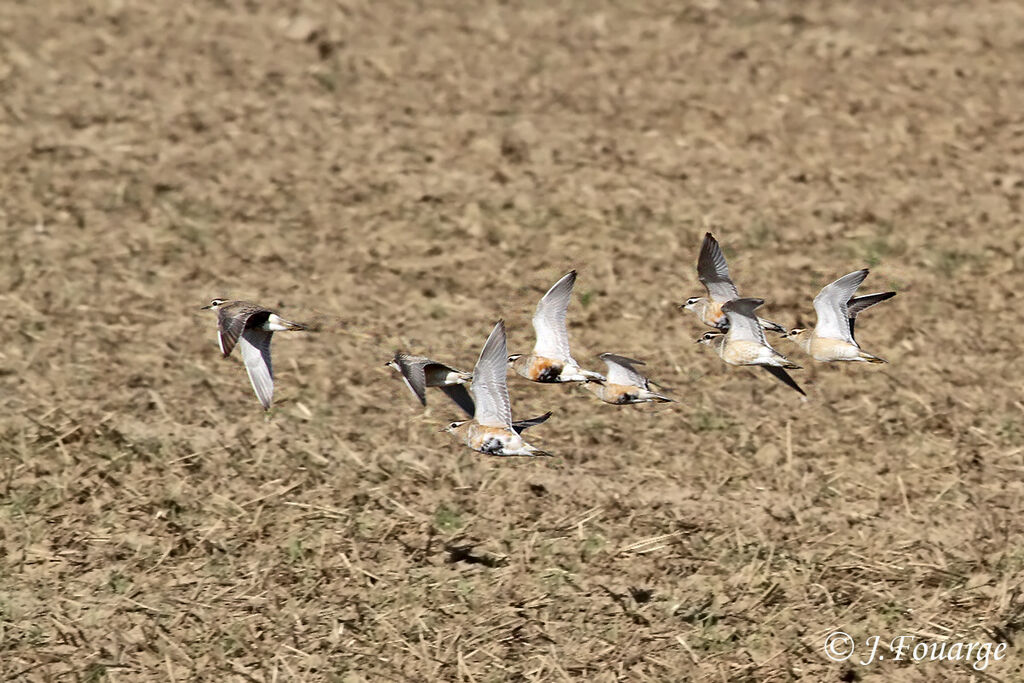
[(413, 374), (233, 318), (460, 395), (522, 425), (860, 303), (784, 377)]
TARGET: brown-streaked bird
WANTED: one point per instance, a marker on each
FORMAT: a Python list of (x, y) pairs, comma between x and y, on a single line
[(251, 327), (745, 344), (713, 272), (491, 430), (551, 361), (837, 309), (419, 372), (624, 383)]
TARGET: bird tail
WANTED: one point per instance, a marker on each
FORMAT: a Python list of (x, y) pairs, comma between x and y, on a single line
[(592, 376), (288, 325), (865, 356), (276, 323), (771, 327)]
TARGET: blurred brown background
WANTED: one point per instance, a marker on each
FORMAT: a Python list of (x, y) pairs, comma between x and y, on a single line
[(404, 175)]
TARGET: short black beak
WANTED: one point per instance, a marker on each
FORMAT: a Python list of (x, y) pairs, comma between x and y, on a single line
[(205, 308)]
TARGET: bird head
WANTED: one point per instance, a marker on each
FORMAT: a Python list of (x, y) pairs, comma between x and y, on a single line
[(708, 337), (691, 303), (453, 427), (214, 304)]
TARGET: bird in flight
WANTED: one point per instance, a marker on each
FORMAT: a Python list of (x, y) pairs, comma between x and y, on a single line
[(251, 327), (713, 272), (837, 309), (551, 361), (419, 372), (491, 430), (624, 384), (745, 344)]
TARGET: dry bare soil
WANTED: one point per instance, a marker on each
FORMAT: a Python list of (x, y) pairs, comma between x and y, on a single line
[(403, 175)]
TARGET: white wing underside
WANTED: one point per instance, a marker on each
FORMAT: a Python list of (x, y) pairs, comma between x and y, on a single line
[(549, 321), (489, 388), (255, 346), (623, 374), (744, 325), (831, 307)]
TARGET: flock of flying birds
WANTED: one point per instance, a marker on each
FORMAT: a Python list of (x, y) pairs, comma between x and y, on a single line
[(738, 337)]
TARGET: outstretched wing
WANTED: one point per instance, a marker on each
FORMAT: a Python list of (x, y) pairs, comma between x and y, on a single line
[(783, 376), (549, 320), (522, 425), (489, 387), (413, 375), (460, 395), (743, 324), (232, 319), (860, 303), (713, 271), (831, 306), (255, 346), (621, 370)]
